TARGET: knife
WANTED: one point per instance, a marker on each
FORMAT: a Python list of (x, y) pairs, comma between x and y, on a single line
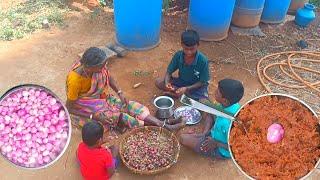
[(197, 105)]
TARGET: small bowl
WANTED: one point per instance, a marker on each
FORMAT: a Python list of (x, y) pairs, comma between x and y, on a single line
[(164, 105)]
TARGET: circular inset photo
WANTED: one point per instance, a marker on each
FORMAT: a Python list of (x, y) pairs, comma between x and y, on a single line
[(35, 126), (281, 141)]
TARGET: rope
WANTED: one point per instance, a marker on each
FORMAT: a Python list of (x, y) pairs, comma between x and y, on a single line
[(306, 56)]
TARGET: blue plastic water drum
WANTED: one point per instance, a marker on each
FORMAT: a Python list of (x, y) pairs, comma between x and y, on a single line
[(247, 13), (211, 18), (137, 23), (275, 11)]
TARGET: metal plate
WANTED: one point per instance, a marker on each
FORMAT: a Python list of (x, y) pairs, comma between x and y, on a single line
[(192, 115)]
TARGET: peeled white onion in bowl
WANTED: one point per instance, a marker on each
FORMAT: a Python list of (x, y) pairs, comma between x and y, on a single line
[(35, 126)]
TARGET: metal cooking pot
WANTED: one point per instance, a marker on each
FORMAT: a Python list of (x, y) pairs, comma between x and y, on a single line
[(317, 166), (164, 106)]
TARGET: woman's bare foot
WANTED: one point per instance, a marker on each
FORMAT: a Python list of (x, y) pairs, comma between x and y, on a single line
[(176, 126), (120, 130), (174, 121)]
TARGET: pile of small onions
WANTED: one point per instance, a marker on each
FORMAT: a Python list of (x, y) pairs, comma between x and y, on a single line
[(34, 127)]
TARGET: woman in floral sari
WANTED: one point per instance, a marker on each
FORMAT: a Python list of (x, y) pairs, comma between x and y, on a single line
[(87, 96)]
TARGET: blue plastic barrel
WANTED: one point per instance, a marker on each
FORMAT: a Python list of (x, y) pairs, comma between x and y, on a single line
[(137, 23), (247, 13), (275, 11), (211, 18)]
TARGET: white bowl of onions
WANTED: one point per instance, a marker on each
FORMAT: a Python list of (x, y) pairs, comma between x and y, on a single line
[(35, 127)]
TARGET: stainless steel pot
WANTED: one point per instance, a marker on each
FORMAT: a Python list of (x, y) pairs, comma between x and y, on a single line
[(317, 166), (27, 86), (164, 105)]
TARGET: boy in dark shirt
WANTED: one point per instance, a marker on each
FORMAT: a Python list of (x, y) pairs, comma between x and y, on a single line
[(193, 69)]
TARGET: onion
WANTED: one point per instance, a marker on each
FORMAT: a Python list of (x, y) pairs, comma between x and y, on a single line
[(42, 148), (275, 133), (41, 117), (46, 110), (8, 149), (52, 101), (27, 137), (37, 93), (29, 143), (40, 159), (64, 135), (25, 149), (28, 108), (23, 105), (47, 117), (43, 95), (46, 159), (52, 129), (52, 138), (2, 126), (32, 91), (7, 130), (32, 160), (45, 153), (22, 112), (45, 102), (24, 99), (49, 146), (39, 140), (62, 115), (30, 119), (47, 123), (41, 113), (30, 103), (45, 140), (58, 135), (34, 130), (54, 121), (19, 94), (7, 118), (32, 98), (25, 93), (18, 153)]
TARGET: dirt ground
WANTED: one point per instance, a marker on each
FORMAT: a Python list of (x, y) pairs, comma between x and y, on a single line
[(45, 57)]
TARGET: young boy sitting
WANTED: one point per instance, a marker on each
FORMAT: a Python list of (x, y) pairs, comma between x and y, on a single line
[(96, 162), (213, 142), (193, 70)]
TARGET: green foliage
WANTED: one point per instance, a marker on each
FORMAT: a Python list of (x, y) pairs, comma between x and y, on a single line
[(315, 2), (105, 3), (166, 4), (18, 21)]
